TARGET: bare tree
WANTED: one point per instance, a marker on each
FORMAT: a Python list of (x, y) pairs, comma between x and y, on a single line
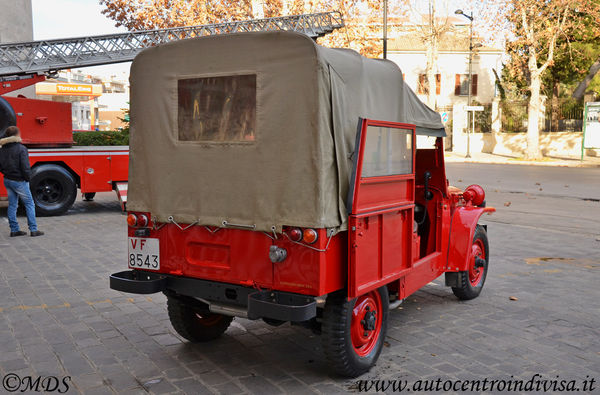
[(432, 24)]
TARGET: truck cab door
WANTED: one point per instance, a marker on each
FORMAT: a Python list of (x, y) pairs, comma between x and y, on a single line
[(380, 205)]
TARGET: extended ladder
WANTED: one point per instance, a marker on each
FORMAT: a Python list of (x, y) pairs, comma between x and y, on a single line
[(47, 56)]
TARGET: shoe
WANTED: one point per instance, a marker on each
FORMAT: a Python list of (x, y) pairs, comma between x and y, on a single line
[(17, 233), (37, 233)]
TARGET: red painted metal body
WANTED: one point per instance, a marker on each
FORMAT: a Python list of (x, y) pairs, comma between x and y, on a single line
[(96, 169), (10, 84), (382, 246), (48, 124), (43, 123), (239, 256)]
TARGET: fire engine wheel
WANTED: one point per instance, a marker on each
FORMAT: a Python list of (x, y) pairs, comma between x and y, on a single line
[(353, 331), (194, 322), (53, 188), (473, 279)]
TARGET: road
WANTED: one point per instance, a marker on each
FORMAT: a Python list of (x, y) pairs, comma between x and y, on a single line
[(552, 199), (538, 314)]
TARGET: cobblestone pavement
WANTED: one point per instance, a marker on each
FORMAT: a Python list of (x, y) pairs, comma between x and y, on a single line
[(58, 317)]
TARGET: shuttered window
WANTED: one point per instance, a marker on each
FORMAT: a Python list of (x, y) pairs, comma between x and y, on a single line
[(423, 89), (461, 85)]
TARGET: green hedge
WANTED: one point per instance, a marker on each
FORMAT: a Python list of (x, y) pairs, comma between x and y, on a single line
[(101, 138)]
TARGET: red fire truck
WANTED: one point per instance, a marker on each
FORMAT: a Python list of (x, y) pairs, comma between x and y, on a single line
[(59, 168), (260, 190)]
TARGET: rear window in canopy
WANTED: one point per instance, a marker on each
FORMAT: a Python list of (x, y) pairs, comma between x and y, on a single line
[(217, 109)]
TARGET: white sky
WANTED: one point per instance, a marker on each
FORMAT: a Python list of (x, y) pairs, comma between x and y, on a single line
[(75, 18)]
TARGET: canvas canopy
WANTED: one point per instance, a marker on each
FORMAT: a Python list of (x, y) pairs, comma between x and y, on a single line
[(256, 129)]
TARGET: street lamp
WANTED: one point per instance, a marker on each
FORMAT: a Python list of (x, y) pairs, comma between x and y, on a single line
[(470, 18)]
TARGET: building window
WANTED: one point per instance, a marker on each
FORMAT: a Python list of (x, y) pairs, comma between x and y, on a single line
[(461, 85), (423, 89), (217, 109)]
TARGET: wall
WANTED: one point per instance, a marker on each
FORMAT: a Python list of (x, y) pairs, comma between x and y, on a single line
[(412, 65), (555, 144), (16, 21), (16, 24), (110, 120)]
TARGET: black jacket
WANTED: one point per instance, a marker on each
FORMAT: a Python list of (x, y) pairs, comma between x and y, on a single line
[(14, 159)]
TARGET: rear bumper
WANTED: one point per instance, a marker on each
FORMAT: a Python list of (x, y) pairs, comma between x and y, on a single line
[(283, 306)]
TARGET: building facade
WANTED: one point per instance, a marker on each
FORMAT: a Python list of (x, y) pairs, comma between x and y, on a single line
[(97, 102), (452, 68)]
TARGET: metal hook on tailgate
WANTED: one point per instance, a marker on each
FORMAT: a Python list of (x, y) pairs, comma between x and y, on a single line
[(172, 220)]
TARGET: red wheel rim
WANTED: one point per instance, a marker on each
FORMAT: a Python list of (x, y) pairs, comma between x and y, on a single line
[(366, 323), (476, 273)]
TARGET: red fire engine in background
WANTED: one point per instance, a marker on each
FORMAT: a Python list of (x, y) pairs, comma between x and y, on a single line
[(58, 167)]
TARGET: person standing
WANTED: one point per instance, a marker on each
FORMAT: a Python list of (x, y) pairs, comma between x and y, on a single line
[(14, 165)]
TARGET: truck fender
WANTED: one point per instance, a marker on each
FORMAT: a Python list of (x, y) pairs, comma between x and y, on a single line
[(462, 229)]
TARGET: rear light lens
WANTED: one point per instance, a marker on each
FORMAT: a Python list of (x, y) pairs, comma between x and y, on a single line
[(132, 220), (295, 234), (310, 236), (142, 220)]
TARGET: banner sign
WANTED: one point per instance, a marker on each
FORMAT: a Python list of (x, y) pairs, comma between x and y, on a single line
[(591, 126)]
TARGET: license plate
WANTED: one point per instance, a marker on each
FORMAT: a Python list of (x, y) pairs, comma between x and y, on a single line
[(143, 253)]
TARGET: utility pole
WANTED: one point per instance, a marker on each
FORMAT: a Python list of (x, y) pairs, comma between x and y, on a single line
[(385, 9), (470, 18)]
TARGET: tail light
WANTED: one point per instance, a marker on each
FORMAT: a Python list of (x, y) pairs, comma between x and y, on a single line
[(295, 234), (132, 220), (137, 220), (310, 236), (142, 220)]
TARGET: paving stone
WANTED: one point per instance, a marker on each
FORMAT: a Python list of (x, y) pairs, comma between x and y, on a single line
[(113, 342), (259, 385), (193, 386)]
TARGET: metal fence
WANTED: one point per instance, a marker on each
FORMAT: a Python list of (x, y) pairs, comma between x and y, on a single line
[(563, 115)]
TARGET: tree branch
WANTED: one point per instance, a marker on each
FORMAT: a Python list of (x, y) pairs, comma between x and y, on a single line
[(551, 47)]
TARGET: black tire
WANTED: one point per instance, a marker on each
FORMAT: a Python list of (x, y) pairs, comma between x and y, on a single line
[(89, 196), (194, 322), (53, 188), (468, 290), (336, 335), (8, 117)]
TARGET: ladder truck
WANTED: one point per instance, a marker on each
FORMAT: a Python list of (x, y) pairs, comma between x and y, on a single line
[(58, 167)]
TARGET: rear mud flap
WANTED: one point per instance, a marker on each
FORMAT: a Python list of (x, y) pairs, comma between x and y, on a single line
[(454, 279)]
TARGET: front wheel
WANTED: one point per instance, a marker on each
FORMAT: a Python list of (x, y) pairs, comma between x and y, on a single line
[(353, 331), (194, 322), (473, 279)]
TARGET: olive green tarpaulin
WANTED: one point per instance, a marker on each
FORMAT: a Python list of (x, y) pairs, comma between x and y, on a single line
[(290, 109)]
